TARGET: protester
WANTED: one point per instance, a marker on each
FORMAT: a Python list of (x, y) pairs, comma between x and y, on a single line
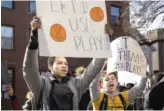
[(156, 78), (14, 101), (28, 105), (108, 98), (154, 98), (55, 90)]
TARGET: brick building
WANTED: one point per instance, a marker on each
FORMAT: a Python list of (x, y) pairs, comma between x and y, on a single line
[(15, 32)]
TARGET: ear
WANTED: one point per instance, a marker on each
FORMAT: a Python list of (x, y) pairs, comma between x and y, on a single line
[(100, 85), (50, 68)]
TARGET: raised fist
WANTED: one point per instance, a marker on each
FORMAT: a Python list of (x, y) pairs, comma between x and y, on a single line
[(36, 23), (10, 90)]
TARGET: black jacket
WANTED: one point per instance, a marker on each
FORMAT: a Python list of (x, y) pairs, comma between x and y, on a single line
[(27, 105), (154, 99)]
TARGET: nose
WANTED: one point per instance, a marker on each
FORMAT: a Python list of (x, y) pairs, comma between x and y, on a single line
[(110, 80), (64, 66)]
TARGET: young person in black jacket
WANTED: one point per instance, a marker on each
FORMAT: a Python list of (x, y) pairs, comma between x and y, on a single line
[(154, 98)]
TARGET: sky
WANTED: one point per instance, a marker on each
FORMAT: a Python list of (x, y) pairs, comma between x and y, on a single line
[(157, 23)]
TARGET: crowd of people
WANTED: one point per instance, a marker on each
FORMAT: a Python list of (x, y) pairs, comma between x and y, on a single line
[(90, 88), (150, 99)]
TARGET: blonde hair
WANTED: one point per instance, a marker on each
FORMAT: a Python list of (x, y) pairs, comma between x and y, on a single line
[(29, 95), (79, 70), (104, 73)]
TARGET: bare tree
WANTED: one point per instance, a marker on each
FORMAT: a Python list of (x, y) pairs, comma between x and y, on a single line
[(146, 12), (143, 14)]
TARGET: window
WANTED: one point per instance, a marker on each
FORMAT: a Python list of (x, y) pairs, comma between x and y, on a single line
[(7, 75), (7, 4), (6, 37), (32, 6), (11, 77), (115, 14)]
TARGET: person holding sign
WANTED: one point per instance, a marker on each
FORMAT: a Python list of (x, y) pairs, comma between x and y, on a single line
[(109, 98), (55, 90), (14, 101)]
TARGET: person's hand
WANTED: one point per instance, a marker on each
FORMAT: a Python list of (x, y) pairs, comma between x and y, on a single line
[(10, 90), (36, 23)]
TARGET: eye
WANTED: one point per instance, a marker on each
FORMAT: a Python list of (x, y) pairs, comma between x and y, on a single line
[(107, 79), (113, 78), (59, 62), (66, 64)]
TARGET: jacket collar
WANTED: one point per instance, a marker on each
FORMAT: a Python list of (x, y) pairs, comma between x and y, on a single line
[(52, 78), (105, 92)]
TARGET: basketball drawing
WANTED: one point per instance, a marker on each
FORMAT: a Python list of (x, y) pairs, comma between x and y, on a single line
[(97, 14), (58, 33)]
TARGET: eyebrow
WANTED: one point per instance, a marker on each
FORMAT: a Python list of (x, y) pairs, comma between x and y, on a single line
[(58, 61), (113, 77), (62, 61)]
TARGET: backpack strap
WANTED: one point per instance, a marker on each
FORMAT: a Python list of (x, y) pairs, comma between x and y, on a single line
[(103, 105), (90, 106), (122, 100)]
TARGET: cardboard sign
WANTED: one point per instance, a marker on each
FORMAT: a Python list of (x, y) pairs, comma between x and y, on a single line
[(73, 29), (125, 77), (127, 55)]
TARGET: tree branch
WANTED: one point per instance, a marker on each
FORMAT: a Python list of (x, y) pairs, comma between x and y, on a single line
[(146, 42)]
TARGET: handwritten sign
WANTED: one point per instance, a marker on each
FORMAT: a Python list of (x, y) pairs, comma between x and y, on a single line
[(73, 29), (127, 55)]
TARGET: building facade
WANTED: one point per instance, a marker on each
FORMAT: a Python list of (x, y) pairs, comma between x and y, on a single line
[(158, 59), (15, 34)]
